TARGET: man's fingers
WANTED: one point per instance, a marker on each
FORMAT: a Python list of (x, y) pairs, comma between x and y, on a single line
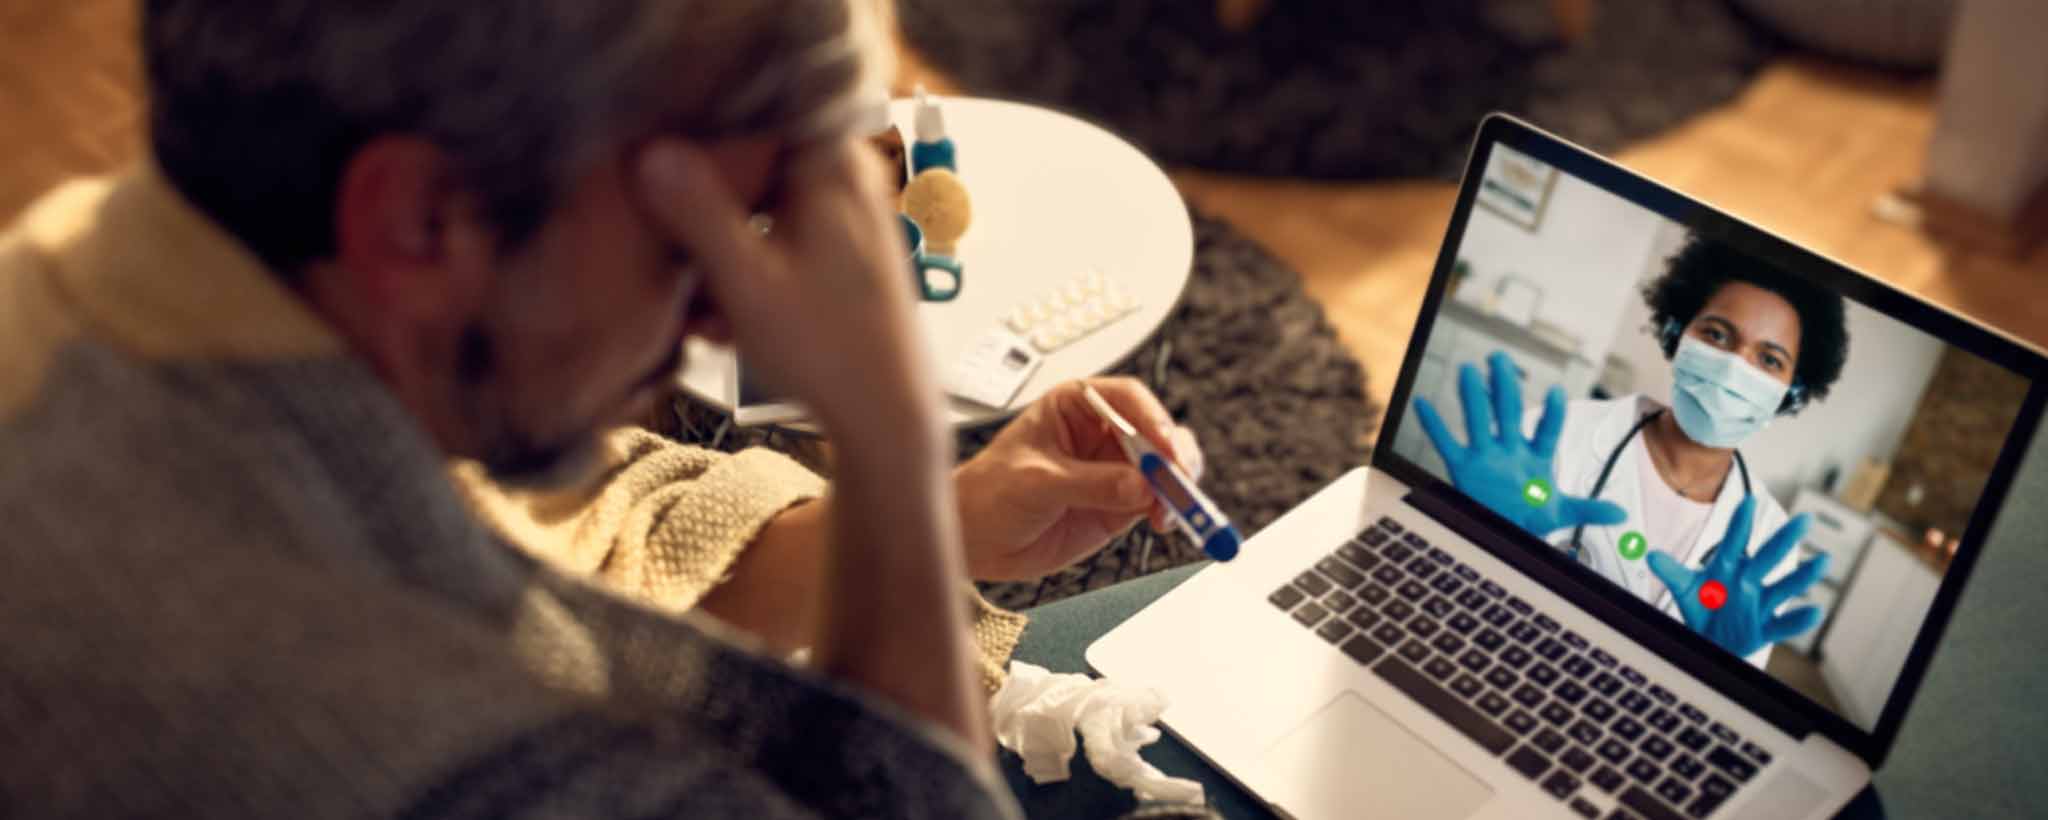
[(1477, 405), (1682, 582), (1507, 395), (1439, 435), (691, 204), (1734, 548), (1551, 425), (1795, 583), (1099, 485), (1791, 624), (1780, 545), (1134, 401), (1188, 451)]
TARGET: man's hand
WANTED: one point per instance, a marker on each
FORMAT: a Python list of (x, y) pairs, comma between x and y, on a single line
[(1499, 467), (1054, 487), (1743, 622)]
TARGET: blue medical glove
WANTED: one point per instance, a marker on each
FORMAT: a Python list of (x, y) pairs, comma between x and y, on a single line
[(1745, 622), (1497, 465)]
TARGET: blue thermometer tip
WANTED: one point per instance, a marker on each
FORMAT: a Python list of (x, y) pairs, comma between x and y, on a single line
[(1222, 544)]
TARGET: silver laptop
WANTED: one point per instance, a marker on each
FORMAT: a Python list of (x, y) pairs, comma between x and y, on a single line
[(1508, 615)]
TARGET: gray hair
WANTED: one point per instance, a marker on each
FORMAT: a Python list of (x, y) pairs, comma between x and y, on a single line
[(256, 106)]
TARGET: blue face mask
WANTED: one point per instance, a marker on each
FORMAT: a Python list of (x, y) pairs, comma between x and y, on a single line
[(1719, 399)]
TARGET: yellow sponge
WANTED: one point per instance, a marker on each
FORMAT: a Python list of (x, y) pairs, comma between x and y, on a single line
[(937, 200)]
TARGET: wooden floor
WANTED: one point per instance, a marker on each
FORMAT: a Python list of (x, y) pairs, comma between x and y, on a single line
[(1805, 151)]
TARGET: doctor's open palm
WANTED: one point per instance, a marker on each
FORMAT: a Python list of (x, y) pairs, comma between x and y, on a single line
[(1511, 474), (1745, 621)]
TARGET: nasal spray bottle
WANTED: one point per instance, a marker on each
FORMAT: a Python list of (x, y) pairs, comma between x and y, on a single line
[(933, 149)]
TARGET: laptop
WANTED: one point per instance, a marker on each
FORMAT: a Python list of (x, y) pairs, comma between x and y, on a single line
[(1397, 647)]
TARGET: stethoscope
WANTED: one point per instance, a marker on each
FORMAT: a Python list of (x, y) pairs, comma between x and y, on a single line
[(1605, 469)]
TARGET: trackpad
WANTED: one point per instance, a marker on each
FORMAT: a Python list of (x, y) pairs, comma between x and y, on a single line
[(1350, 759)]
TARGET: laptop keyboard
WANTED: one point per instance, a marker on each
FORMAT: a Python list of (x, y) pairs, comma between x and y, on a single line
[(1559, 710)]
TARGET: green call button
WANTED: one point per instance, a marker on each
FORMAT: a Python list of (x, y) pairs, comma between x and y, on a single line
[(1537, 492), (1632, 545)]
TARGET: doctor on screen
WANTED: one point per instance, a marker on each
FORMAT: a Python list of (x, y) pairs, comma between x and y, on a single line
[(1653, 492)]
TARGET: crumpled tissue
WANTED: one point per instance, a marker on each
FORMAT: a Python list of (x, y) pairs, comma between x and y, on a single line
[(1037, 713)]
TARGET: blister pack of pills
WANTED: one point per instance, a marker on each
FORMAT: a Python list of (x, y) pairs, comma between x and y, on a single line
[(1067, 314)]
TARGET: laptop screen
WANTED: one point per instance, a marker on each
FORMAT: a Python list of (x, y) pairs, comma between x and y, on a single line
[(1785, 470)]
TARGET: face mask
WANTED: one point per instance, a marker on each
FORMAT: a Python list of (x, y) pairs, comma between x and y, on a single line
[(1720, 399)]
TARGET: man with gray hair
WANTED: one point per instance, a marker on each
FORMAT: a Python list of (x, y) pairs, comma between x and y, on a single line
[(373, 237)]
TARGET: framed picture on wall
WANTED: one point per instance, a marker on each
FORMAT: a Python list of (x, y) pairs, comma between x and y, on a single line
[(1516, 187)]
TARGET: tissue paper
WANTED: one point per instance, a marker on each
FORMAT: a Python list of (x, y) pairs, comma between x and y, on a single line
[(1038, 712)]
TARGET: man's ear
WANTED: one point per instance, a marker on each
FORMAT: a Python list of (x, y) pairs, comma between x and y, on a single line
[(409, 240)]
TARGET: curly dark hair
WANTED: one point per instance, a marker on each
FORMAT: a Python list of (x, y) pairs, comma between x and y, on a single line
[(1701, 268)]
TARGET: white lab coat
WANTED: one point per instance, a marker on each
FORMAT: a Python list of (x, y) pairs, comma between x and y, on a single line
[(1592, 429)]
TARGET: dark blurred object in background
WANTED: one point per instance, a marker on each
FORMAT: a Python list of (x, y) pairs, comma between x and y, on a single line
[(1905, 34)]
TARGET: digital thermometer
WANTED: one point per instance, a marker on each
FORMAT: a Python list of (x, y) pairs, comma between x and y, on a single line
[(1196, 515)]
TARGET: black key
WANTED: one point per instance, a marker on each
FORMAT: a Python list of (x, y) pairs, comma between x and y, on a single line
[(1662, 719), (1550, 650), (1627, 729), (1502, 679), (1573, 640), (1614, 750), (1692, 713), (1687, 766), (1438, 555), (1412, 590), (1422, 567), (1374, 594), (1601, 657), (1662, 695), (1490, 640), (1516, 657), (1655, 747), (1545, 622), (1570, 692), (1363, 649), (1473, 599), (1524, 632), (1704, 805), (1415, 651), (1634, 678), (1391, 526), (1520, 722), (1374, 537), (1474, 660), (1445, 705), (1556, 713), (1492, 704), (1448, 643), (1447, 584), (1389, 634), (1542, 674), (1644, 771), (1633, 701), (1463, 623), (1576, 666), (1607, 779), (1492, 588), (1340, 572), (1585, 732), (1312, 583), (1440, 668), (1599, 710), (1286, 597), (1439, 606), (1647, 805), (1561, 784), (1531, 763), (1756, 753), (1311, 614), (1466, 573), (1423, 627), (1717, 786), (1726, 760), (1334, 631), (1671, 789), (1605, 683), (1398, 610), (1548, 740), (1497, 615), (1467, 686), (1358, 556), (1339, 601), (1415, 540), (1576, 759), (1363, 618), (1726, 734), (1529, 696), (1585, 808), (1397, 553), (1694, 739), (1388, 574), (1520, 606)]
